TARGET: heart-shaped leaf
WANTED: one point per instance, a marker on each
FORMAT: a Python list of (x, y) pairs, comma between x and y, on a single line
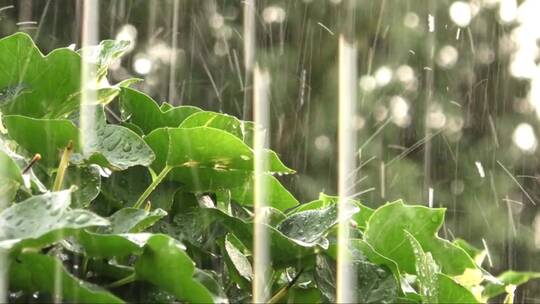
[(48, 80), (144, 112), (385, 233)]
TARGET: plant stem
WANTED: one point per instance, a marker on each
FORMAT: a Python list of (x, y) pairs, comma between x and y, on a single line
[(64, 163), (152, 186), (130, 278)]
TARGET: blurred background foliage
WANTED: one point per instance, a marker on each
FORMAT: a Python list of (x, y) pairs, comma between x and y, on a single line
[(443, 107)]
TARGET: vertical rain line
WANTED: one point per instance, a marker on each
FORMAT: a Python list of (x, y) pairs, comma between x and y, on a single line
[(430, 45), (174, 55), (261, 249), (89, 36), (346, 277), (249, 54)]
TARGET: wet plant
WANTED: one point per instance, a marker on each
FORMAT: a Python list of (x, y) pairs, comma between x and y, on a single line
[(157, 205)]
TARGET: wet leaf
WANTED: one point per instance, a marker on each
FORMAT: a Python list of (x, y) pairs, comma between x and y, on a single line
[(131, 220), (277, 196), (308, 227), (283, 250), (23, 65), (113, 146), (427, 271), (87, 181), (116, 147), (191, 148), (228, 123), (164, 263), (144, 112), (32, 272), (104, 54), (42, 220), (48, 137), (209, 280), (238, 261), (374, 284), (385, 233), (100, 245)]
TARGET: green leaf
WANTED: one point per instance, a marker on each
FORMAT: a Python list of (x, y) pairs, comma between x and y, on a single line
[(237, 261), (10, 179), (99, 245), (122, 237), (478, 255), (144, 112), (87, 181), (283, 250), (308, 227), (361, 218), (48, 137), (244, 193), (426, 270), (164, 263), (374, 284), (191, 148), (131, 220), (48, 80), (324, 200), (42, 220), (451, 292), (115, 147), (241, 129), (104, 54), (209, 280), (304, 295), (509, 277), (33, 272), (123, 188), (102, 96), (385, 233)]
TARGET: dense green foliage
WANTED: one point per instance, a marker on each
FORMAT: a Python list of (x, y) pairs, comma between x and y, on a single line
[(157, 206)]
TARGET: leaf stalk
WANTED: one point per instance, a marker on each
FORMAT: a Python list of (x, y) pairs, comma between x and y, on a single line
[(152, 186)]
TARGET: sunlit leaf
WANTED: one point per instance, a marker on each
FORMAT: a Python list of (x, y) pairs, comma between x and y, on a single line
[(144, 112), (385, 233), (48, 81)]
